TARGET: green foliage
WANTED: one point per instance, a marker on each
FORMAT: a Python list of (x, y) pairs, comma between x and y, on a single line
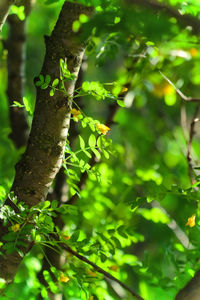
[(138, 186), (19, 11)]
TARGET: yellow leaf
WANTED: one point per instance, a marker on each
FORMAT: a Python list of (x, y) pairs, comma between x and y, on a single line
[(15, 227), (63, 278), (66, 237), (193, 52), (191, 221), (124, 89), (91, 273), (103, 128), (75, 114), (114, 268)]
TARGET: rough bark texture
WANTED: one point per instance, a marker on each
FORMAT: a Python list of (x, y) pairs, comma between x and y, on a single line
[(43, 156), (16, 75), (191, 290), (4, 10)]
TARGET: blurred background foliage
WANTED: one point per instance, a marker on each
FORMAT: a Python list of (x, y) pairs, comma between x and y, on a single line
[(144, 185)]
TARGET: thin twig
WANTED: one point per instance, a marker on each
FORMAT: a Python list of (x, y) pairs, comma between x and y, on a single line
[(100, 270), (184, 97), (183, 20), (179, 233), (189, 147), (183, 120), (192, 126)]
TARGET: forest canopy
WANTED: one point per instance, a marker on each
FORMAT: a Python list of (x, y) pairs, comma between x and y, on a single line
[(99, 149)]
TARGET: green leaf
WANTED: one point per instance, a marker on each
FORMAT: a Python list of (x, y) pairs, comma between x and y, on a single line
[(99, 142), (86, 86), (82, 142), (92, 127), (103, 257), (116, 241), (92, 141), (39, 83), (11, 236), (136, 203), (75, 236), (16, 103), (54, 204), (121, 231), (55, 82), (105, 153), (96, 152), (67, 209), (44, 86), (45, 204), (87, 153), (81, 163), (52, 92), (28, 105), (47, 79), (121, 103), (41, 78)]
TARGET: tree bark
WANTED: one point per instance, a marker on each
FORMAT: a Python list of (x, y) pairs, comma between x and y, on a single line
[(16, 75), (43, 156), (191, 290), (4, 11)]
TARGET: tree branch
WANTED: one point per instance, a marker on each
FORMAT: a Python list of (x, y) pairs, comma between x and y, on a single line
[(192, 126), (4, 11), (183, 20), (43, 156), (189, 147), (99, 270), (182, 96), (191, 290)]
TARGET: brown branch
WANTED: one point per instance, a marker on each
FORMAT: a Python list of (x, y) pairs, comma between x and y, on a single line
[(100, 270), (189, 147), (183, 19), (191, 290), (43, 156)]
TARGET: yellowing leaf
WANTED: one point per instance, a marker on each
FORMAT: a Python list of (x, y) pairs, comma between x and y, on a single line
[(193, 52), (63, 278), (91, 273), (103, 128), (15, 227), (191, 221), (75, 114), (114, 268), (66, 237)]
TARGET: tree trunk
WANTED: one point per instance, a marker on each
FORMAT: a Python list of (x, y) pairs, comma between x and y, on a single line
[(191, 290), (16, 75), (43, 156)]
